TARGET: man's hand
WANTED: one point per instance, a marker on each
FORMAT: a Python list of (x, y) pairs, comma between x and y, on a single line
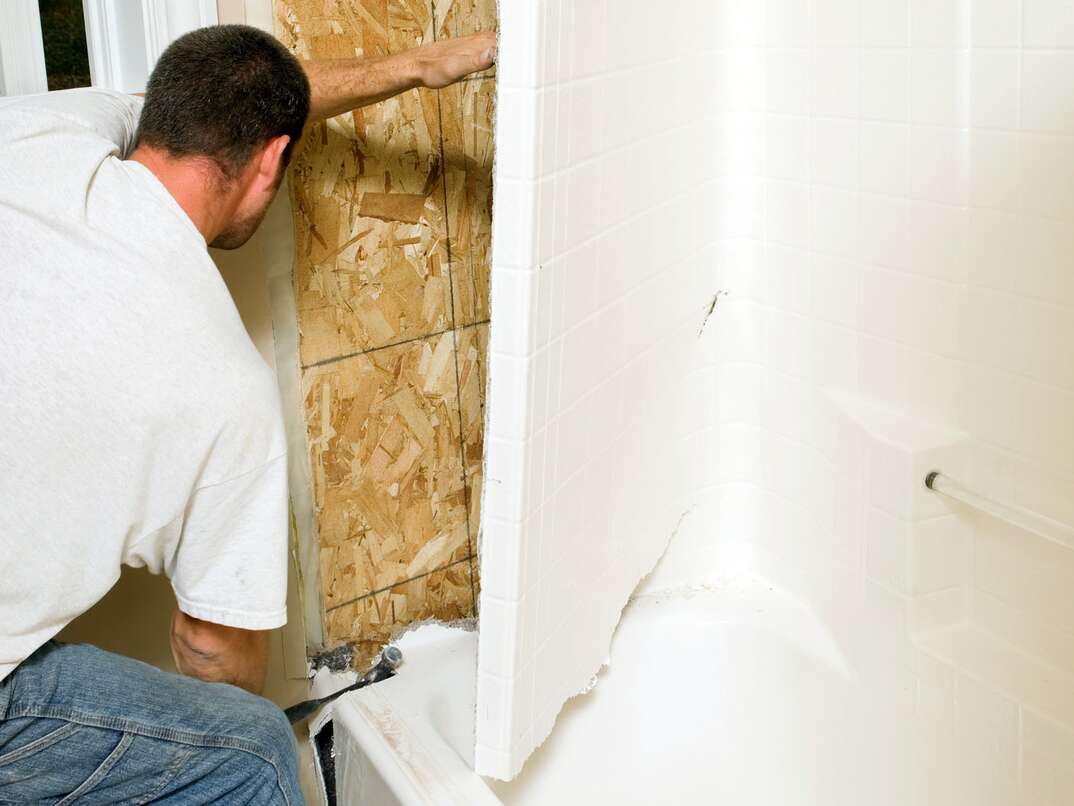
[(441, 64), (219, 654), (340, 85)]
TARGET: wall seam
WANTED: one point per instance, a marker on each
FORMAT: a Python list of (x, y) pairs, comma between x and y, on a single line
[(468, 558), (434, 334), (454, 334)]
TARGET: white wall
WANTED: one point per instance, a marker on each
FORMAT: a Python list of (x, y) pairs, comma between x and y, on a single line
[(890, 215), (257, 13)]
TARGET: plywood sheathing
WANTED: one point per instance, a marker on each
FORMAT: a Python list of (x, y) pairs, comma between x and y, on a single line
[(368, 192), (392, 216), (468, 150), (371, 621), (472, 350), (369, 219), (384, 432), (466, 126), (467, 116)]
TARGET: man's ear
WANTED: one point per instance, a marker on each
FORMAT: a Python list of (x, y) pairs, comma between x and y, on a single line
[(271, 162)]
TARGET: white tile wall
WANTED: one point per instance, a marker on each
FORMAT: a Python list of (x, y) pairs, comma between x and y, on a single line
[(602, 276), (939, 266), (996, 23), (1048, 24), (885, 188)]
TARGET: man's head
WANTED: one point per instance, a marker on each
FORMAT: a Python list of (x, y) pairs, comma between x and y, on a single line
[(233, 99)]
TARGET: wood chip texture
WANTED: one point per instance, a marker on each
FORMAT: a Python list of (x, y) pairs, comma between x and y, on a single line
[(393, 219)]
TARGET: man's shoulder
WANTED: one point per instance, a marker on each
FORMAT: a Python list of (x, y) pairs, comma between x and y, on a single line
[(106, 115)]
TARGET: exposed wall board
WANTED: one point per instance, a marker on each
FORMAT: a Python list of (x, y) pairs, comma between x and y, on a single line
[(369, 272), (387, 474), (467, 129), (370, 622), (466, 125), (472, 347), (462, 17), (369, 216), (392, 221)]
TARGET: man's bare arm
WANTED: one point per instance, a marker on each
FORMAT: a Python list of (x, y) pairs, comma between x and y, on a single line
[(340, 85), (219, 654)]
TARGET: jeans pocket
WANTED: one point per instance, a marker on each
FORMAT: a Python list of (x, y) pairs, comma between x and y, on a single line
[(54, 731), (45, 760)]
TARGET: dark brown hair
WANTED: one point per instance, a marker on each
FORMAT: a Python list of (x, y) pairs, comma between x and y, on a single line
[(221, 92)]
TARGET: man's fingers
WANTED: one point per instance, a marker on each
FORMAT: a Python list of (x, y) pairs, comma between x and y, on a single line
[(451, 60), (486, 59)]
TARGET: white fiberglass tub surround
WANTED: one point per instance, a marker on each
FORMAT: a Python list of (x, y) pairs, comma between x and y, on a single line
[(799, 686), (884, 190), (738, 655), (728, 693)]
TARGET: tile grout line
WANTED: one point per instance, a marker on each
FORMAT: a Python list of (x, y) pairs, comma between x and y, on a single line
[(455, 351), (378, 591)]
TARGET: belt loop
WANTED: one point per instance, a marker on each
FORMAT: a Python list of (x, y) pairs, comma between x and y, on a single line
[(6, 686)]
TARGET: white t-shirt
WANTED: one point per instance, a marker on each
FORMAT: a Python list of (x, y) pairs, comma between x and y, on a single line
[(138, 423)]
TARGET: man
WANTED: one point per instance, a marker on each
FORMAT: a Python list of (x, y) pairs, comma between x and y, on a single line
[(138, 424)]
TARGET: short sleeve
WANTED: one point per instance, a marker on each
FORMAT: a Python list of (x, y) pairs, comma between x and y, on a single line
[(230, 566), (106, 113)]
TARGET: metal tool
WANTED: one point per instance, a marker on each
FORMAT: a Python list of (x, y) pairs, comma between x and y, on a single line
[(390, 660)]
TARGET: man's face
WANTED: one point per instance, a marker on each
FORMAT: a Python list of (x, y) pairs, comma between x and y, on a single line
[(247, 218)]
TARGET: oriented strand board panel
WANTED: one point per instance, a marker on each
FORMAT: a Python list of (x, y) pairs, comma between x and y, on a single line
[(605, 201), (368, 194), (462, 17), (444, 595), (369, 215), (393, 211), (472, 349), (468, 150), (468, 154), (384, 433)]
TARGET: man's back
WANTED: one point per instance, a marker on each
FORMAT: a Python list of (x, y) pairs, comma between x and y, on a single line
[(136, 414)]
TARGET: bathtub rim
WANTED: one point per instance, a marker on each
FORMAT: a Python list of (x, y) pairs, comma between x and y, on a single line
[(388, 726)]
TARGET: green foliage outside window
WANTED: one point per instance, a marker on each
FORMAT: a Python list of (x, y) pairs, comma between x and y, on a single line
[(63, 29)]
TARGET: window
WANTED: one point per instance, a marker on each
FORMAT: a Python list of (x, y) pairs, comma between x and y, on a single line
[(55, 44), (63, 32)]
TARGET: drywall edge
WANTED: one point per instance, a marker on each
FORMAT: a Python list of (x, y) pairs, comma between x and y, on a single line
[(279, 257)]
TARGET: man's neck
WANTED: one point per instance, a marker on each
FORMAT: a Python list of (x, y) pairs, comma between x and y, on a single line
[(194, 185)]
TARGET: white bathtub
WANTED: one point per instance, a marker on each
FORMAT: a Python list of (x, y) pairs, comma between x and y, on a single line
[(729, 693)]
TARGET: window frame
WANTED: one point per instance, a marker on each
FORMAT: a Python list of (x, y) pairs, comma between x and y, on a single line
[(124, 39), (22, 49)]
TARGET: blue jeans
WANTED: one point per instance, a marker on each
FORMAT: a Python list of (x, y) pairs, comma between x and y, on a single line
[(81, 725)]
